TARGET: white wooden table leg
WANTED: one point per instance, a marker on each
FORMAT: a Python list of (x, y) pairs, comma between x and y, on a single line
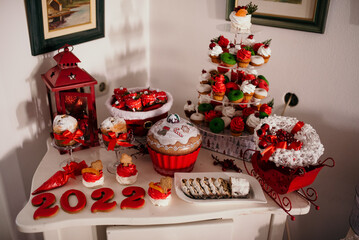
[(276, 226)]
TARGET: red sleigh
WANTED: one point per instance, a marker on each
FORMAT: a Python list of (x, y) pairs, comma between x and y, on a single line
[(277, 181)]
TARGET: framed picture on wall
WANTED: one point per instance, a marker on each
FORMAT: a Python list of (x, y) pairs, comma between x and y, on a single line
[(54, 23), (303, 15)]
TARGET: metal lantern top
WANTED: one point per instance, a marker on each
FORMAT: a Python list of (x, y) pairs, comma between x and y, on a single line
[(66, 74)]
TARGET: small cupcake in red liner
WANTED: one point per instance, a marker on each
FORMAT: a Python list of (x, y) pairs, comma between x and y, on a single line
[(93, 175), (237, 126), (160, 192), (126, 172), (173, 144)]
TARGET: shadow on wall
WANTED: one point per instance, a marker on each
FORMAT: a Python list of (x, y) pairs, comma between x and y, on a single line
[(19, 165), (334, 186), (128, 66), (354, 17)]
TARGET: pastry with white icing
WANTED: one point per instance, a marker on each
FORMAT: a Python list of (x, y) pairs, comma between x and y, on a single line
[(113, 127), (61, 124)]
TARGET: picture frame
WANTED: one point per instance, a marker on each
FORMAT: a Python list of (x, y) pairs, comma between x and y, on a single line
[(37, 29), (315, 23)]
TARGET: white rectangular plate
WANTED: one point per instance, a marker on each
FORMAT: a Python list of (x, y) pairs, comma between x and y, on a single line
[(256, 194)]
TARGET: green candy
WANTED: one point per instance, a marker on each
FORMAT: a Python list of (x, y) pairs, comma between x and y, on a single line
[(205, 107), (235, 95), (216, 125), (228, 58), (262, 115)]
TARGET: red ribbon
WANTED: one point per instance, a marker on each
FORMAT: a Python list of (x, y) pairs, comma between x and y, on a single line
[(68, 136), (113, 140), (297, 127), (266, 153)]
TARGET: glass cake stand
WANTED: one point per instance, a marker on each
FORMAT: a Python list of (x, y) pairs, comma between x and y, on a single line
[(112, 167), (69, 149)]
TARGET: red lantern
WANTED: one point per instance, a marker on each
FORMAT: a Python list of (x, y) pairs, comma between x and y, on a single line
[(71, 91)]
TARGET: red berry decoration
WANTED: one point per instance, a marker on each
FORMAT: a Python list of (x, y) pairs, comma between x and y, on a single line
[(254, 82), (212, 45), (227, 164), (262, 144), (265, 127), (260, 133)]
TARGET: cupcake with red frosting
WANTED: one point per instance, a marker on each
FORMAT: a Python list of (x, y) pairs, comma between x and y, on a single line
[(219, 90), (237, 126), (160, 192), (126, 171), (243, 57), (93, 175)]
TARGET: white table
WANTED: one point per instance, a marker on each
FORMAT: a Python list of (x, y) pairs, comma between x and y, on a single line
[(235, 220)]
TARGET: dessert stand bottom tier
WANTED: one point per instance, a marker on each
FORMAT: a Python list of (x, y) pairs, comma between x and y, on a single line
[(228, 144)]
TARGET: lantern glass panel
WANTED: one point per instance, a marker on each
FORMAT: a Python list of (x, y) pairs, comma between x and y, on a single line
[(76, 103)]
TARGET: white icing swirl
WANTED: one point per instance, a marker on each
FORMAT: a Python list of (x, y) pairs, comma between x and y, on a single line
[(258, 60), (252, 70), (205, 76), (253, 121), (249, 42), (204, 88), (228, 111), (65, 122), (240, 23), (204, 99), (264, 51), (110, 123), (260, 93), (189, 107), (216, 51), (235, 49), (226, 120), (218, 108), (197, 117), (247, 87), (169, 133), (311, 149)]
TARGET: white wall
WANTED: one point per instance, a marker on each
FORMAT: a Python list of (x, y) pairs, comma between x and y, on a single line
[(322, 69), (121, 58)]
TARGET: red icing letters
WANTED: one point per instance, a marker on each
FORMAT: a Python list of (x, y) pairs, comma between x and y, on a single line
[(103, 197), (64, 201), (135, 198), (44, 201)]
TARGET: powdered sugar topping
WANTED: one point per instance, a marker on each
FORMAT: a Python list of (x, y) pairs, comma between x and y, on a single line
[(311, 149)]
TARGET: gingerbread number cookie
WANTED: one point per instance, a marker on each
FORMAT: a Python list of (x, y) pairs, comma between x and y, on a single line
[(81, 201), (103, 197), (135, 198), (44, 201)]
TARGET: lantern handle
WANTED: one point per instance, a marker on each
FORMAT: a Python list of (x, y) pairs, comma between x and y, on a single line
[(66, 48)]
